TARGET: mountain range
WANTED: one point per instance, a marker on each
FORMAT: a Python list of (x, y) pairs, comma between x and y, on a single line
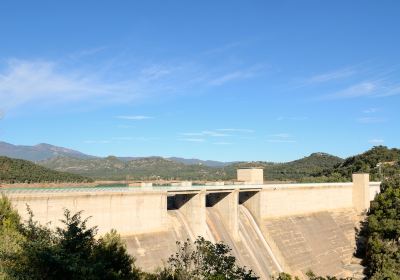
[(140, 168), (38, 152), (43, 151)]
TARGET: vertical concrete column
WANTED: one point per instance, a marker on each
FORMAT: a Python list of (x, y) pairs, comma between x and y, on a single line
[(250, 175), (361, 200), (229, 211), (194, 210)]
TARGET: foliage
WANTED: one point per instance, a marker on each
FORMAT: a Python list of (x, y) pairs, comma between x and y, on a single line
[(285, 276), (23, 171), (153, 168), (10, 236), (380, 162), (69, 252), (382, 232), (203, 260), (310, 275)]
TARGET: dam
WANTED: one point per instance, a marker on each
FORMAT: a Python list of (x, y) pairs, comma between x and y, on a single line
[(270, 227)]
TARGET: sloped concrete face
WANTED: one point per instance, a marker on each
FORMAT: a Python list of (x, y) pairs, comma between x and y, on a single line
[(193, 207), (252, 201), (152, 250), (323, 242), (227, 205)]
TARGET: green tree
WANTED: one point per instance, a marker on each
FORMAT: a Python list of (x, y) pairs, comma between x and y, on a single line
[(203, 260), (69, 252), (382, 232), (10, 236)]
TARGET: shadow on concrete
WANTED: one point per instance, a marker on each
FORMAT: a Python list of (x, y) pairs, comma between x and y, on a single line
[(176, 201)]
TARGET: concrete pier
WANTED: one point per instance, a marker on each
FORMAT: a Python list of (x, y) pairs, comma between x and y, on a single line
[(226, 202), (361, 193)]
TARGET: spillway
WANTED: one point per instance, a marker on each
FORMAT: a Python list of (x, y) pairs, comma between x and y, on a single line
[(152, 250), (184, 225), (251, 249), (254, 241)]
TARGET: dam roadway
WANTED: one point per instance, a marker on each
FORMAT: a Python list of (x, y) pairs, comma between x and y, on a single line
[(267, 225)]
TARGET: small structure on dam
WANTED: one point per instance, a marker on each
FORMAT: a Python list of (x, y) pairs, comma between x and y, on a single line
[(270, 227)]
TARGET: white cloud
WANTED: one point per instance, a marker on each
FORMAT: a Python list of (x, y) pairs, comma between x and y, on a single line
[(214, 133), (43, 81), (335, 75), (390, 91), (371, 110), (281, 141), (134, 117), (155, 72), (237, 75), (97, 141), (281, 138), (358, 90), (123, 138), (205, 133), (367, 120), (298, 118), (125, 126), (222, 143), (236, 130), (376, 141), (192, 139), (281, 135), (371, 89), (46, 82)]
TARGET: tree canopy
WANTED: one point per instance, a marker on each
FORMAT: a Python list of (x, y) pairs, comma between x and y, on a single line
[(23, 171)]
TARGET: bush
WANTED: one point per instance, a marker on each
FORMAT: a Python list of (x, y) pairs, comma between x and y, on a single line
[(69, 252)]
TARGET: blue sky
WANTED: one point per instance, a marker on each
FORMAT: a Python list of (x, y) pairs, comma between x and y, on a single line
[(222, 80)]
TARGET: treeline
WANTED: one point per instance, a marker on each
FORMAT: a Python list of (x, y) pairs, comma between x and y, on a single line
[(23, 171), (153, 168), (380, 162)]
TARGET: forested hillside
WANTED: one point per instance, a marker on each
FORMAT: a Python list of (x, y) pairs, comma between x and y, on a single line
[(297, 170), (381, 162), (160, 168), (151, 168), (23, 171)]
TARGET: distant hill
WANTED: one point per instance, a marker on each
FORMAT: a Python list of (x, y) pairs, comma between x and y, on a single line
[(23, 171), (158, 167), (44, 151), (194, 161), (117, 168), (379, 161), (294, 170), (114, 168), (38, 152)]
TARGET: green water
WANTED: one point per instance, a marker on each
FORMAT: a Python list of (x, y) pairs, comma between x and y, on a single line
[(69, 188)]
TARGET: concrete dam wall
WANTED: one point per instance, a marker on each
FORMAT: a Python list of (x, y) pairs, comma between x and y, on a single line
[(270, 227)]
